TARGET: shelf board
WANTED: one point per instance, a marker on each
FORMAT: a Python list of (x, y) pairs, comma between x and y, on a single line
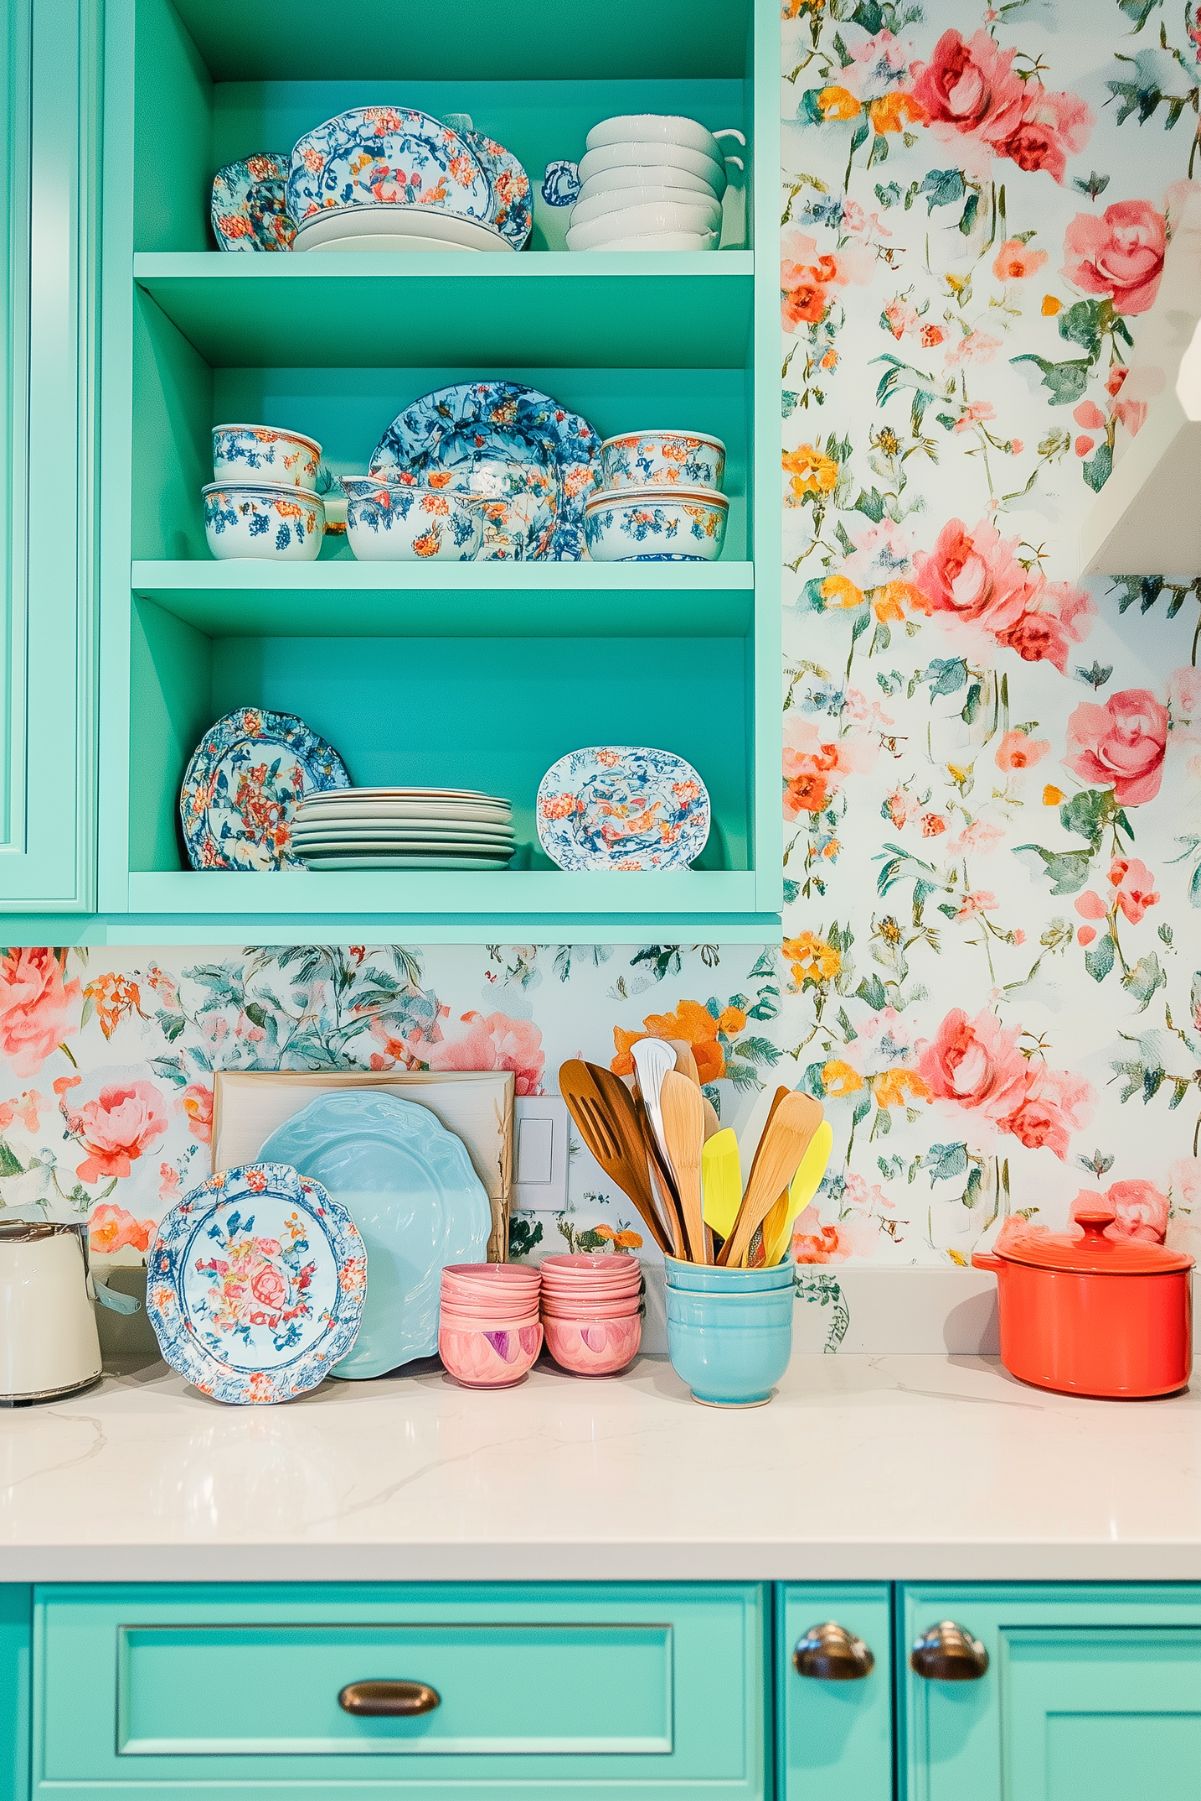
[(341, 598), (541, 309)]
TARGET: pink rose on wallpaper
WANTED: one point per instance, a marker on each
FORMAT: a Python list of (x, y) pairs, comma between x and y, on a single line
[(1053, 1106), (494, 1041), (112, 1229), (1018, 750), (1057, 620), (969, 85), (198, 1105), (1120, 745), (1140, 1210), (1135, 886), (816, 1242), (116, 1128), (1119, 254), (974, 1062), (36, 1008), (1051, 127), (974, 575), (1015, 260)]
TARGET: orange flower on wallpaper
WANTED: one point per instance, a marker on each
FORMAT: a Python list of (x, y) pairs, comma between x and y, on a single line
[(692, 1022)]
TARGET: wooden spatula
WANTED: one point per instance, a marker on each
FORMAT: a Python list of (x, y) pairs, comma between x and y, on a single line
[(686, 1064), (613, 1139), (635, 1133), (787, 1133), (759, 1252), (683, 1109)]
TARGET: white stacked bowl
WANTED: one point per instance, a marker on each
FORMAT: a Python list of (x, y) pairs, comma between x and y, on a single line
[(648, 181)]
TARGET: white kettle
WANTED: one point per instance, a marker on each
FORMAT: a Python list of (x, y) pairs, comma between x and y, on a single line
[(49, 1346)]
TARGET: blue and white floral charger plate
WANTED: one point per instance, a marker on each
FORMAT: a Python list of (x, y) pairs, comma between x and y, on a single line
[(249, 208), (507, 442), (622, 807), (243, 784), (418, 1201), (386, 156), (256, 1283)]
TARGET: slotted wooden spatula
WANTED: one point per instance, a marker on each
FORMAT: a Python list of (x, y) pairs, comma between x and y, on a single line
[(614, 1139), (781, 1148)]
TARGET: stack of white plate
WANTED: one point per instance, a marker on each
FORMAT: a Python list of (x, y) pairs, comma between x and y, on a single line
[(403, 828), (649, 181)]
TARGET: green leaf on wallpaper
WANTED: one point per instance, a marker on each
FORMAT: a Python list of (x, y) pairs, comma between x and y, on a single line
[(1066, 382), (872, 992), (1097, 675), (971, 207), (1093, 184), (1099, 958), (975, 1184), (10, 1163), (888, 193), (1098, 469), (943, 1162), (1067, 870), (171, 1068), (1081, 324), (870, 16), (811, 1082), (808, 110), (759, 1050), (942, 187), (792, 891), (1144, 978), (861, 132), (946, 675), (871, 504), (1088, 813)]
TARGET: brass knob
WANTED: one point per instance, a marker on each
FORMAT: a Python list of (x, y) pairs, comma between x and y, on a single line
[(388, 1700), (948, 1653), (830, 1653)]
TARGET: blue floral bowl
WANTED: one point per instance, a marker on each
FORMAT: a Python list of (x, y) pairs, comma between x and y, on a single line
[(390, 522), (649, 525), (264, 520)]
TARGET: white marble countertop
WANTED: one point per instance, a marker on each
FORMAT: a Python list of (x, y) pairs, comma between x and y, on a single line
[(864, 1467)]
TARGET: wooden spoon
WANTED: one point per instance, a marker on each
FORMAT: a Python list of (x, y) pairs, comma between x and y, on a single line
[(785, 1137), (684, 1134), (592, 1110), (686, 1064)]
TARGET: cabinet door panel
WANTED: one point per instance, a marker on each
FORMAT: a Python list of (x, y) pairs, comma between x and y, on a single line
[(834, 1738), (1088, 1691), (46, 452)]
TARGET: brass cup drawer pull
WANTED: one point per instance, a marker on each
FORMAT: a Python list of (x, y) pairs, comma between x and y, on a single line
[(388, 1700), (829, 1653), (948, 1653)]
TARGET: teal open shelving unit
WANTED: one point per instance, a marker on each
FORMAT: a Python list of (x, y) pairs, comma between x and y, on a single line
[(474, 675)]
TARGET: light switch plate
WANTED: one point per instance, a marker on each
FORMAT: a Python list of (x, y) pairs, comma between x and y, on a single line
[(540, 1154)]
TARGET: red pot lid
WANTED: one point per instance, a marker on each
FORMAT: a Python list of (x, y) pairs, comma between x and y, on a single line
[(1089, 1250)]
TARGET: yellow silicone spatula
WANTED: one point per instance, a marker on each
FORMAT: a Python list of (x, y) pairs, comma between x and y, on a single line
[(721, 1181), (801, 1190)]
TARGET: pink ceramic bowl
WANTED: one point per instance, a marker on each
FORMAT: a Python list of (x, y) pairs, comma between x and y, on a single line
[(599, 1348), (584, 1308), (606, 1265), (494, 1318), (489, 1359)]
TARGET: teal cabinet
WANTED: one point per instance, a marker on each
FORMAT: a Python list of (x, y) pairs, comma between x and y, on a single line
[(570, 1692), (834, 1693), (48, 250), (1089, 1694)]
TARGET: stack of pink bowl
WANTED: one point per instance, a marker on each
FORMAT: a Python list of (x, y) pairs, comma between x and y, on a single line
[(591, 1311), (488, 1331)]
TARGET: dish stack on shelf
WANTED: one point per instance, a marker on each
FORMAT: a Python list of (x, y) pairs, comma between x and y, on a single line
[(648, 181), (403, 828), (660, 499), (592, 1311)]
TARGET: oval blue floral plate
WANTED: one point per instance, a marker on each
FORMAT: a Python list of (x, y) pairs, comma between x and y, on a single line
[(243, 784), (255, 1284), (248, 209), (512, 442), (622, 807), (386, 156), (419, 1204)]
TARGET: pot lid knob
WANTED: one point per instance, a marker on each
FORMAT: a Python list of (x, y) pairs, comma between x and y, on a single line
[(1096, 1222)]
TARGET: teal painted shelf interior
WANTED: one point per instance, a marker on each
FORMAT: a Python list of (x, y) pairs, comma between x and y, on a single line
[(472, 675)]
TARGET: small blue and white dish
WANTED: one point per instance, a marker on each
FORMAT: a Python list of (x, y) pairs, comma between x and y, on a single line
[(249, 209), (255, 1284), (395, 522), (622, 807), (642, 525), (268, 521), (265, 453), (243, 784), (391, 156)]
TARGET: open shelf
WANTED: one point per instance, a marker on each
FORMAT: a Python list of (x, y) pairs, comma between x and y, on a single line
[(340, 597), (616, 309)]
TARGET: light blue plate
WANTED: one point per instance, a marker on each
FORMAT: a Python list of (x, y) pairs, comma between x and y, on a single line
[(410, 1187)]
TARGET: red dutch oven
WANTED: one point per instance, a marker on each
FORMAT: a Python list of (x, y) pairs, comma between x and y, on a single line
[(1093, 1315)]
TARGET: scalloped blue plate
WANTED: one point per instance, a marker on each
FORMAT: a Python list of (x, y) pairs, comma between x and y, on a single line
[(243, 784)]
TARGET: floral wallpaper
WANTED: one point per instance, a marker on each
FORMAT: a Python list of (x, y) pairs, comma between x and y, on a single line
[(989, 968)]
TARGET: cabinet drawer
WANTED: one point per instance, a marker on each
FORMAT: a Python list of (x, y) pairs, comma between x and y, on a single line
[(1089, 1694), (574, 1689), (834, 1713)]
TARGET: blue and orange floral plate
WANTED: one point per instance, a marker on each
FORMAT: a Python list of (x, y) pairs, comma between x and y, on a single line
[(507, 442), (622, 807), (256, 1284), (243, 784), (249, 209)]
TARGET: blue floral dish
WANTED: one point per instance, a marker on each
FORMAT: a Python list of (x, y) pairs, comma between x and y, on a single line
[(418, 1202), (249, 207), (395, 522), (622, 807), (255, 1284), (511, 441), (386, 156), (243, 784), (272, 522), (266, 453), (647, 524), (512, 204)]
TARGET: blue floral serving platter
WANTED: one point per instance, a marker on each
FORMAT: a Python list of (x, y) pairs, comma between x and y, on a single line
[(418, 1202), (622, 807), (512, 202), (249, 207), (256, 1283), (509, 442), (386, 156), (243, 784)]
